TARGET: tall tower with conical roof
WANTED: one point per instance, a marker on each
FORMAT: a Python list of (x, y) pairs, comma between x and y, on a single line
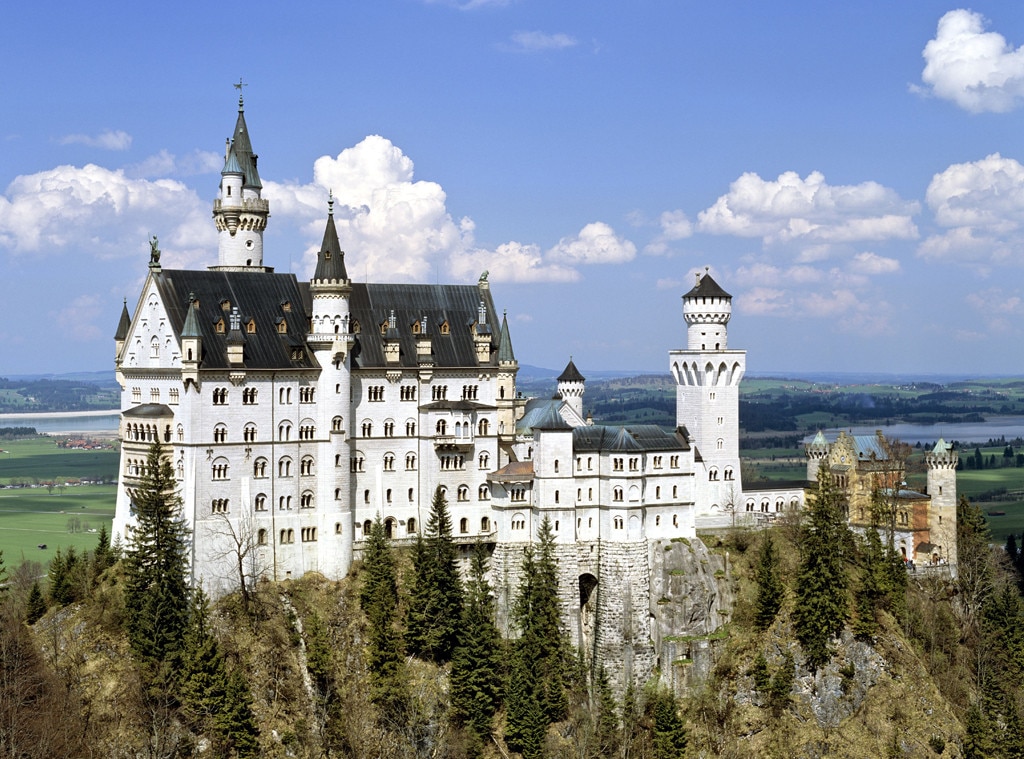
[(707, 376), (331, 341), (239, 211), (571, 386)]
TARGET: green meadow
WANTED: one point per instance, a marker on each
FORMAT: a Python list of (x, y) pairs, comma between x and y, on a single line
[(30, 517), (40, 459)]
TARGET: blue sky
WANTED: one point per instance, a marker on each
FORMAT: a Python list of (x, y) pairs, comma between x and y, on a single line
[(850, 172)]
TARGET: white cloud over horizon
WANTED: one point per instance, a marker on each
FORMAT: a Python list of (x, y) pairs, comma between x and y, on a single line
[(979, 71), (106, 140)]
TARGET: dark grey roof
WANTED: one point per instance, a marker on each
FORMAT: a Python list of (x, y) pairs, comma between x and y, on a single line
[(371, 305), (638, 437), (505, 353), (330, 259), (125, 324), (191, 326), (706, 287), (571, 374), (231, 165), (243, 152), (149, 410), (259, 296), (551, 420), (456, 406)]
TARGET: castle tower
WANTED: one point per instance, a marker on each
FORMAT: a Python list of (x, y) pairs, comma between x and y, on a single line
[(707, 376), (570, 387), (507, 369), (239, 212), (816, 451), (331, 341), (942, 461)]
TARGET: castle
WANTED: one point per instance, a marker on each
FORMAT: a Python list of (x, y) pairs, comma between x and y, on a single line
[(295, 413)]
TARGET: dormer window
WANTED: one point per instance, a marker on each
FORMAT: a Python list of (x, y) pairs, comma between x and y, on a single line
[(250, 327), (445, 329), (218, 326), (416, 328), (327, 255), (356, 329), (286, 306), (282, 326), (225, 305), (384, 327)]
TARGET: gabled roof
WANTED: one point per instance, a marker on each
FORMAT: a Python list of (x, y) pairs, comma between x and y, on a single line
[(258, 296), (371, 305), (638, 437), (330, 259), (550, 419), (571, 374), (124, 324), (706, 287), (869, 446)]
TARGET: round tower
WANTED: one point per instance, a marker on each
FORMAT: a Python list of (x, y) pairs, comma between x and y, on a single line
[(707, 309), (816, 451), (942, 462), (570, 387), (239, 212)]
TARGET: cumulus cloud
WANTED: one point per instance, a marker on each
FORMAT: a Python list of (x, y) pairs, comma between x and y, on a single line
[(982, 205), (675, 225), (106, 140), (808, 211), (165, 163), (101, 212), (511, 262), (872, 263), (596, 243), (977, 70), (535, 42)]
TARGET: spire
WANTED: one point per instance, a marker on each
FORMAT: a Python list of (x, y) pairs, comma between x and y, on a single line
[(330, 260), (505, 352), (191, 328), (571, 373), (243, 147), (125, 324), (231, 165)]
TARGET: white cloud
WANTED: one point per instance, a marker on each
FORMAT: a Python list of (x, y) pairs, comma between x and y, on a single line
[(100, 212), (106, 140), (809, 211), (535, 42), (764, 301), (977, 70), (596, 243), (511, 262), (166, 163), (675, 225), (982, 205), (872, 263)]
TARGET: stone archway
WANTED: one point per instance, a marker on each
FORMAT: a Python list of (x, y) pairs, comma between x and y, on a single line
[(588, 615)]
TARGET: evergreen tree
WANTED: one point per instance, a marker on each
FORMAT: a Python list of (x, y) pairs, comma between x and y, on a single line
[(435, 602), (103, 556), (607, 717), (540, 663), (669, 730), (35, 606), (325, 688), (1012, 552), (64, 575), (476, 671), (821, 603), (770, 590), (379, 601), (156, 584)]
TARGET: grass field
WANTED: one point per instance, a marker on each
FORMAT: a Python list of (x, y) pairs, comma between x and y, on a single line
[(30, 517), (41, 459)]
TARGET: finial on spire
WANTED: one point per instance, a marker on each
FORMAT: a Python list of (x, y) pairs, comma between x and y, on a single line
[(239, 87), (330, 202)]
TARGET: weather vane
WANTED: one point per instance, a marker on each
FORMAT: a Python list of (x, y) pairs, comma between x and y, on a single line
[(239, 87)]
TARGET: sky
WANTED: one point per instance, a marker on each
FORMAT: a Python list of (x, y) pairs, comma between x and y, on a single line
[(852, 173)]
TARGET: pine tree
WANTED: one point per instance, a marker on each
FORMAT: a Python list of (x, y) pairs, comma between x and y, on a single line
[(325, 687), (379, 601), (64, 573), (476, 671), (607, 717), (669, 729), (1012, 552), (156, 585), (821, 604), (770, 590), (103, 556), (35, 606), (435, 602)]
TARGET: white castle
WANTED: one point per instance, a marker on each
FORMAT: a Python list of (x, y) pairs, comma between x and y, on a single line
[(295, 413)]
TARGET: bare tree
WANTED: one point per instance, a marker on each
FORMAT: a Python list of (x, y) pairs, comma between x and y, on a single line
[(242, 539)]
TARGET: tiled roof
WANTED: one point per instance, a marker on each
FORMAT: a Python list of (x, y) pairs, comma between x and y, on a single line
[(706, 287), (639, 437), (571, 374)]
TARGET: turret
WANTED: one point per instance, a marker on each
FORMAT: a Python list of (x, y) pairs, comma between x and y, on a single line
[(191, 343), (942, 462), (707, 309), (816, 451), (122, 331), (570, 387), (330, 289), (239, 212)]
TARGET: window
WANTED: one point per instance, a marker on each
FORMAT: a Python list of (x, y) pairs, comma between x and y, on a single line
[(410, 526), (483, 493), (484, 460), (249, 433), (713, 475), (618, 522), (410, 429), (407, 392), (284, 503), (136, 395), (441, 427), (617, 494), (173, 395), (673, 462), (181, 434), (337, 528), (284, 395), (259, 468), (261, 537), (356, 463), (410, 461), (389, 428), (375, 393), (306, 394), (721, 421), (306, 465), (154, 395), (154, 347), (387, 495), (464, 525), (220, 433), (306, 500), (220, 469), (657, 493), (556, 496), (617, 465), (675, 491), (556, 466), (590, 494), (261, 502), (728, 473), (220, 396), (336, 424), (656, 463), (287, 536), (482, 427), (249, 396), (307, 432), (517, 494), (389, 462), (439, 393), (366, 496), (590, 463), (412, 495), (219, 506), (463, 493), (634, 464), (284, 431), (284, 467), (367, 429), (485, 524)]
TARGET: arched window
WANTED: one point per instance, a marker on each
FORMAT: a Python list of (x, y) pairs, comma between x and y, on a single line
[(306, 465), (484, 460), (463, 525), (306, 501), (482, 427), (336, 423), (484, 493), (410, 525), (367, 526), (220, 469), (389, 462), (485, 524), (463, 493), (261, 537), (284, 467), (249, 433), (220, 433), (410, 461), (442, 427), (284, 431), (617, 494), (260, 504), (259, 468)]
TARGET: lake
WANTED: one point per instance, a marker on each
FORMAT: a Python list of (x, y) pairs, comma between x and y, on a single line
[(994, 427), (65, 421)]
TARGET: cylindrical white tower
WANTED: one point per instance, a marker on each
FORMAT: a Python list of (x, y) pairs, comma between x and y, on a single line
[(571, 386)]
